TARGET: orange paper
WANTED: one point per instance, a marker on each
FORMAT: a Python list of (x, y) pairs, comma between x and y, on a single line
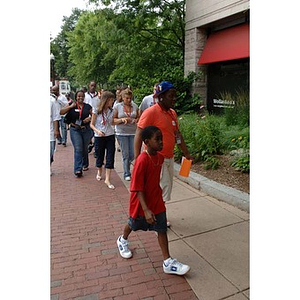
[(185, 167)]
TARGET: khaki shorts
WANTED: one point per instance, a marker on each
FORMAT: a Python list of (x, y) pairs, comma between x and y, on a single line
[(166, 178)]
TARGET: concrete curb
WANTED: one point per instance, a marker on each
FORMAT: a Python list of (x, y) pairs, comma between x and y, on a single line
[(219, 191)]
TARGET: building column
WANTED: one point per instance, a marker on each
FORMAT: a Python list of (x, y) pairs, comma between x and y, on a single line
[(195, 40)]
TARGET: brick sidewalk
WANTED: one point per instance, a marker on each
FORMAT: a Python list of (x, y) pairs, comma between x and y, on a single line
[(86, 220)]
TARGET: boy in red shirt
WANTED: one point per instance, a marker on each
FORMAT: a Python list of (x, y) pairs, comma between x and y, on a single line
[(147, 209)]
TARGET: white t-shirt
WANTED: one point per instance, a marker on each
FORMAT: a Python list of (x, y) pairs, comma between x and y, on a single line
[(54, 115), (62, 101), (103, 122), (92, 100), (148, 101)]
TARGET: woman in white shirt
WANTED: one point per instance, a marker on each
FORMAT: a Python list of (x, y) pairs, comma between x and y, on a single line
[(102, 125)]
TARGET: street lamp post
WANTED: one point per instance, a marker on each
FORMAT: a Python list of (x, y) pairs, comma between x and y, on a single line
[(52, 59)]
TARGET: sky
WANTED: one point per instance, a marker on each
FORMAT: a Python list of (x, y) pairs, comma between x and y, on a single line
[(60, 9)]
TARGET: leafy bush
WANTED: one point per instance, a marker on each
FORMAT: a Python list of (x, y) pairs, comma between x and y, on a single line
[(202, 136), (186, 102), (236, 137), (242, 163), (239, 114), (209, 136), (211, 163)]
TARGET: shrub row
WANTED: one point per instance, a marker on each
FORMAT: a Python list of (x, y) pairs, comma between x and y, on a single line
[(211, 135)]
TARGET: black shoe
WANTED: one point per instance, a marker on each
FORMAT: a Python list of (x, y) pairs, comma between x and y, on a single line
[(78, 174)]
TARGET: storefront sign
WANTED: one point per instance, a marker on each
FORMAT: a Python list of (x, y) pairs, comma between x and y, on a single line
[(223, 103)]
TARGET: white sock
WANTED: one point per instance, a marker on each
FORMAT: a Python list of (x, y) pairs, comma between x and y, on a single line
[(167, 261), (123, 240)]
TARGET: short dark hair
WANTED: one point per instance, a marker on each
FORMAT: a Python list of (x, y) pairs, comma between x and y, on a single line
[(148, 132)]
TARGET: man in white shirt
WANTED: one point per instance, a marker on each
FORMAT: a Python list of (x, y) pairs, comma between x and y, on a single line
[(148, 101), (54, 120), (62, 101), (91, 98)]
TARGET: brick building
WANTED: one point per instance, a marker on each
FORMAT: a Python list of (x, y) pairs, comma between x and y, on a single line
[(217, 43)]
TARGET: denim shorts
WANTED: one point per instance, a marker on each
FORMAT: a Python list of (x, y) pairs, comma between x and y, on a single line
[(140, 223)]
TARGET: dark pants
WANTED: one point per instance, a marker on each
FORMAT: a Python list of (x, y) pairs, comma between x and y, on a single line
[(140, 223), (105, 143)]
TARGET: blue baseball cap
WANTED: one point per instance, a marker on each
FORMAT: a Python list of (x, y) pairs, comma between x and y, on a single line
[(163, 87)]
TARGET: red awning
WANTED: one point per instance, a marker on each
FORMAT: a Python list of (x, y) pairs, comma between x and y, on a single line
[(227, 44)]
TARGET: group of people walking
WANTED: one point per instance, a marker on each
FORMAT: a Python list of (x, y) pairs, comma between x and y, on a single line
[(153, 127)]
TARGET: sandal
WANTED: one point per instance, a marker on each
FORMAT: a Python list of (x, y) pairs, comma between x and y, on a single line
[(98, 177), (110, 186)]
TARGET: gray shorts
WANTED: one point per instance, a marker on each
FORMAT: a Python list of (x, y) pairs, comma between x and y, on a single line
[(140, 223)]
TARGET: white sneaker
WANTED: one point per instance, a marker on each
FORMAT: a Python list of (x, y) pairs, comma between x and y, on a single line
[(127, 178), (123, 248), (175, 267)]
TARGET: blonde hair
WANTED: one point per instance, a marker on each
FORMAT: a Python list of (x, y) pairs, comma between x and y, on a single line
[(105, 96), (126, 92)]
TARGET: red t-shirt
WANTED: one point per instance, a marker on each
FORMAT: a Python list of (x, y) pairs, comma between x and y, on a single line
[(166, 121), (145, 178)]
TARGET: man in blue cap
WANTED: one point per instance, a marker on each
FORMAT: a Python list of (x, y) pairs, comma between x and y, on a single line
[(164, 117)]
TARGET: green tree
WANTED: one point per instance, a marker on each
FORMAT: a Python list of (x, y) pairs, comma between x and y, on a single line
[(59, 45), (132, 42), (154, 44), (145, 40), (88, 51)]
